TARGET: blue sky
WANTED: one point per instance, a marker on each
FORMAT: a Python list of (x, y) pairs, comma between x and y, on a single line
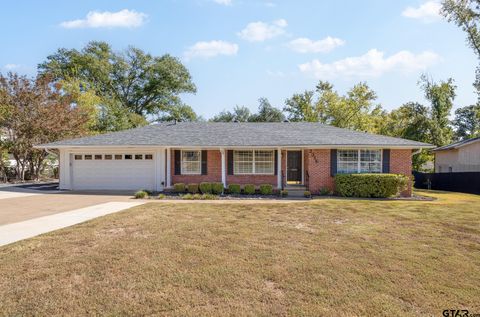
[(240, 50)]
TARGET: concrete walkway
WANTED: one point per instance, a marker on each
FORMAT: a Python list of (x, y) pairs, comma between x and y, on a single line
[(26, 229)]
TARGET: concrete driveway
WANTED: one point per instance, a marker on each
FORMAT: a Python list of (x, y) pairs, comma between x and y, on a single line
[(21, 203)]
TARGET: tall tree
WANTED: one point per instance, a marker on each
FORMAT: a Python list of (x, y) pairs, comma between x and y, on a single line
[(36, 111), (441, 96), (131, 81), (467, 122), (267, 113), (239, 113)]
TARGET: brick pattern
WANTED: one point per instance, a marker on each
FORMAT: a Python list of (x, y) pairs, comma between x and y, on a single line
[(318, 164), (401, 163), (214, 170)]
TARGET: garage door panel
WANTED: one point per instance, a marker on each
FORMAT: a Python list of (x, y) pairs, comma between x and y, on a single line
[(114, 174)]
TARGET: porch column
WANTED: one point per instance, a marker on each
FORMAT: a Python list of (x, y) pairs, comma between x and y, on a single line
[(279, 168), (224, 176), (169, 169)]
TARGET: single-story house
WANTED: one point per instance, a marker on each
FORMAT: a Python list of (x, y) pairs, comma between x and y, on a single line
[(462, 156), (283, 154)]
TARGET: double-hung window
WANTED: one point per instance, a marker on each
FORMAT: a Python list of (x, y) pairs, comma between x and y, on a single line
[(359, 161), (191, 162), (254, 162)]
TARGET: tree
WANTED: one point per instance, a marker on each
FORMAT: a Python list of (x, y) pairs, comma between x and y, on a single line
[(467, 122), (240, 114), (466, 15), (35, 111), (441, 96), (356, 110), (267, 113), (131, 81)]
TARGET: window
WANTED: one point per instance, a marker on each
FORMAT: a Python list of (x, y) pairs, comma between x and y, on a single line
[(78, 157), (88, 156), (254, 162), (98, 156), (108, 156), (128, 156), (148, 156), (118, 156), (138, 156), (359, 161), (191, 162)]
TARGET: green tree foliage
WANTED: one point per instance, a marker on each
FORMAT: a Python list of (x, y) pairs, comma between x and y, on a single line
[(130, 85), (239, 113), (267, 113), (467, 122), (356, 110)]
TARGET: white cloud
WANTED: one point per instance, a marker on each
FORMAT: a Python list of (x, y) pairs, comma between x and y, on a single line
[(261, 31), (372, 64), (224, 2), (427, 12), (94, 19), (211, 49), (305, 45), (11, 66)]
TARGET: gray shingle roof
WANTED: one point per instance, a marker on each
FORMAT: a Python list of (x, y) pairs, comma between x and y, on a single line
[(456, 144), (211, 134)]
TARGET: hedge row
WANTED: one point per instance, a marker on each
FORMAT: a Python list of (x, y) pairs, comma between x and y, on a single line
[(217, 188), (370, 185)]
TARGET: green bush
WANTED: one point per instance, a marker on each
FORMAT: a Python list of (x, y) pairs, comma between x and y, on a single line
[(370, 185), (284, 193), (199, 197), (209, 197), (141, 194), (179, 187), (307, 194), (161, 196), (206, 188), (234, 189), (266, 189), (249, 189), (217, 188), (192, 188), (325, 191)]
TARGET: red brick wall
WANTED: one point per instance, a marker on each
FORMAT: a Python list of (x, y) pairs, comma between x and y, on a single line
[(214, 170), (401, 163), (318, 164)]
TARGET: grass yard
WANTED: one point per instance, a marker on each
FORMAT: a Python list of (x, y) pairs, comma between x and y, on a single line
[(324, 257)]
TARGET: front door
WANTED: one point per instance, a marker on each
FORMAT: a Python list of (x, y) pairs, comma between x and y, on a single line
[(294, 167)]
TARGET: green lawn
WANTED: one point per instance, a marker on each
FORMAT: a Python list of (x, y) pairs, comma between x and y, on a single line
[(324, 257)]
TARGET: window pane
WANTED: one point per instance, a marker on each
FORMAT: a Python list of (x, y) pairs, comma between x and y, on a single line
[(78, 157), (347, 161), (108, 156), (264, 167), (370, 161), (243, 162), (191, 162), (98, 156), (138, 156), (118, 156), (128, 156), (88, 157), (148, 156)]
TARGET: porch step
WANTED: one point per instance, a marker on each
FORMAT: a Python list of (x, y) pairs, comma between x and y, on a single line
[(296, 190)]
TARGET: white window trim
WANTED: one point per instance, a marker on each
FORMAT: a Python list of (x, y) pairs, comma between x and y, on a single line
[(182, 172), (359, 159), (254, 163)]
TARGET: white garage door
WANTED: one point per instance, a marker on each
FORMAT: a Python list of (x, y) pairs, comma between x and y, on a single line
[(113, 171)]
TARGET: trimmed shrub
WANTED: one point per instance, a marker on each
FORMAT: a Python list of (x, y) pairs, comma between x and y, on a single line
[(217, 188), (179, 187), (284, 193), (234, 189), (141, 194), (192, 188), (370, 185), (206, 188), (249, 189), (325, 191), (266, 189), (307, 194)]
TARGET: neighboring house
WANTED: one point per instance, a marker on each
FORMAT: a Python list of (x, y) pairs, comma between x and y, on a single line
[(282, 154), (462, 156)]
